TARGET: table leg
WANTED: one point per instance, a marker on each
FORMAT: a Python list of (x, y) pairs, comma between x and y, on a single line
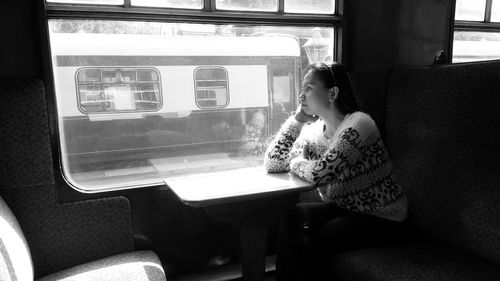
[(253, 252)]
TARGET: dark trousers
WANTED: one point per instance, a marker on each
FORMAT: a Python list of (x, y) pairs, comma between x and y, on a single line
[(311, 233)]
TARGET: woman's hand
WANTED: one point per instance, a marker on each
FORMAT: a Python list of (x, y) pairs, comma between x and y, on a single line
[(303, 117)]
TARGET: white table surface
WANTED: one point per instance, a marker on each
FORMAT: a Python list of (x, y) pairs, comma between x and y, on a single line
[(207, 189)]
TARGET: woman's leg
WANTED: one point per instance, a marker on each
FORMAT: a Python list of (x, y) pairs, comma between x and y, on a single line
[(296, 226)]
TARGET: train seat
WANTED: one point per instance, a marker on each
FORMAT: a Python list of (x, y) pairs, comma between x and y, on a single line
[(441, 128), (16, 263), (40, 236)]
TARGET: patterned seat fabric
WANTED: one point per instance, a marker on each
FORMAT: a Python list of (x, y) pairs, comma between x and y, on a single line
[(419, 260), (441, 129), (60, 235), (16, 264)]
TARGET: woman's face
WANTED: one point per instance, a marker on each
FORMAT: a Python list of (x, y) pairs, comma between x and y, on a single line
[(314, 97)]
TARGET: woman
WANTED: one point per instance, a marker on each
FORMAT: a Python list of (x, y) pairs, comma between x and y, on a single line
[(342, 154)]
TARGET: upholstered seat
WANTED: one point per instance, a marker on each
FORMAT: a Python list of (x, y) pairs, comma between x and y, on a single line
[(418, 260), (442, 132), (16, 264)]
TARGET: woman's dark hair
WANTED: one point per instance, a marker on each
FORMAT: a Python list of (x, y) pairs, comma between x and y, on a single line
[(336, 75)]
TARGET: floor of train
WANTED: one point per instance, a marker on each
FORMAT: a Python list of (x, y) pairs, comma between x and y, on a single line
[(227, 272)]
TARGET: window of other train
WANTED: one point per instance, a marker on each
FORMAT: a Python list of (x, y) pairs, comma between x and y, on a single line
[(211, 87), (477, 30), (139, 101), (107, 90)]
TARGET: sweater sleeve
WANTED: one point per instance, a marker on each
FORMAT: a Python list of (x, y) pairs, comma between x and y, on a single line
[(342, 153), (284, 147)]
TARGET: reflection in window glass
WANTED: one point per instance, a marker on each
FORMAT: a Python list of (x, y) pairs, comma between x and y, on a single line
[(471, 10), (310, 6), (247, 5), (186, 4), (475, 46), (155, 118), (98, 2), (495, 11)]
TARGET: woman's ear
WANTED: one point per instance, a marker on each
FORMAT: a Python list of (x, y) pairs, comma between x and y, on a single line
[(334, 92)]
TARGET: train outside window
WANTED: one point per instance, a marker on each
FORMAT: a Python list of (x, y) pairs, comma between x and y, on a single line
[(477, 35), (139, 102)]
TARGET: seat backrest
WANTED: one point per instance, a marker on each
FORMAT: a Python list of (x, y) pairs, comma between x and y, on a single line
[(442, 129), (15, 258)]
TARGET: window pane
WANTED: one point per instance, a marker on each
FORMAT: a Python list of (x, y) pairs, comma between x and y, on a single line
[(310, 6), (472, 10), (247, 5), (186, 4), (495, 11), (100, 2), (475, 46), (192, 97)]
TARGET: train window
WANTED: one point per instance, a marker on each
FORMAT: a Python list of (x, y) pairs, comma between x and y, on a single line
[(476, 37), (142, 100), (95, 2), (266, 5), (317, 7), (495, 11), (470, 10), (107, 90), (183, 4), (211, 87)]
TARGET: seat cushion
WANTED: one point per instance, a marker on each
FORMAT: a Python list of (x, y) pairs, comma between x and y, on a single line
[(422, 260), (442, 131), (139, 265)]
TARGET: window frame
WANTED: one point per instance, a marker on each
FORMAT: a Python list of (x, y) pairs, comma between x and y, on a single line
[(209, 14), (126, 12), (228, 95), (479, 26)]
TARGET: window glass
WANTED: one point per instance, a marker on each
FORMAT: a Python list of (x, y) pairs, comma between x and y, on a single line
[(211, 87), (310, 6), (475, 46), (247, 5), (187, 4), (495, 11), (99, 2), (142, 101), (470, 10)]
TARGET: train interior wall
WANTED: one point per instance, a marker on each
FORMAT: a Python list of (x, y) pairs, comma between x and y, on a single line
[(378, 36)]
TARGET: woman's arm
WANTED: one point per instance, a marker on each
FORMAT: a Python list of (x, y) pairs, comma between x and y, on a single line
[(279, 152), (343, 152)]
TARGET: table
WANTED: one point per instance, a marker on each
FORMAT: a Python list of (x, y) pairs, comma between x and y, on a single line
[(247, 198)]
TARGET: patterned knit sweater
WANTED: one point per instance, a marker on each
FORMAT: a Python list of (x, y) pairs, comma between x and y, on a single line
[(352, 169)]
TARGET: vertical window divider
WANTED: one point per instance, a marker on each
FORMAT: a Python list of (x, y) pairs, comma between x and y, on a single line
[(127, 3), (281, 6), (209, 5), (487, 11)]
